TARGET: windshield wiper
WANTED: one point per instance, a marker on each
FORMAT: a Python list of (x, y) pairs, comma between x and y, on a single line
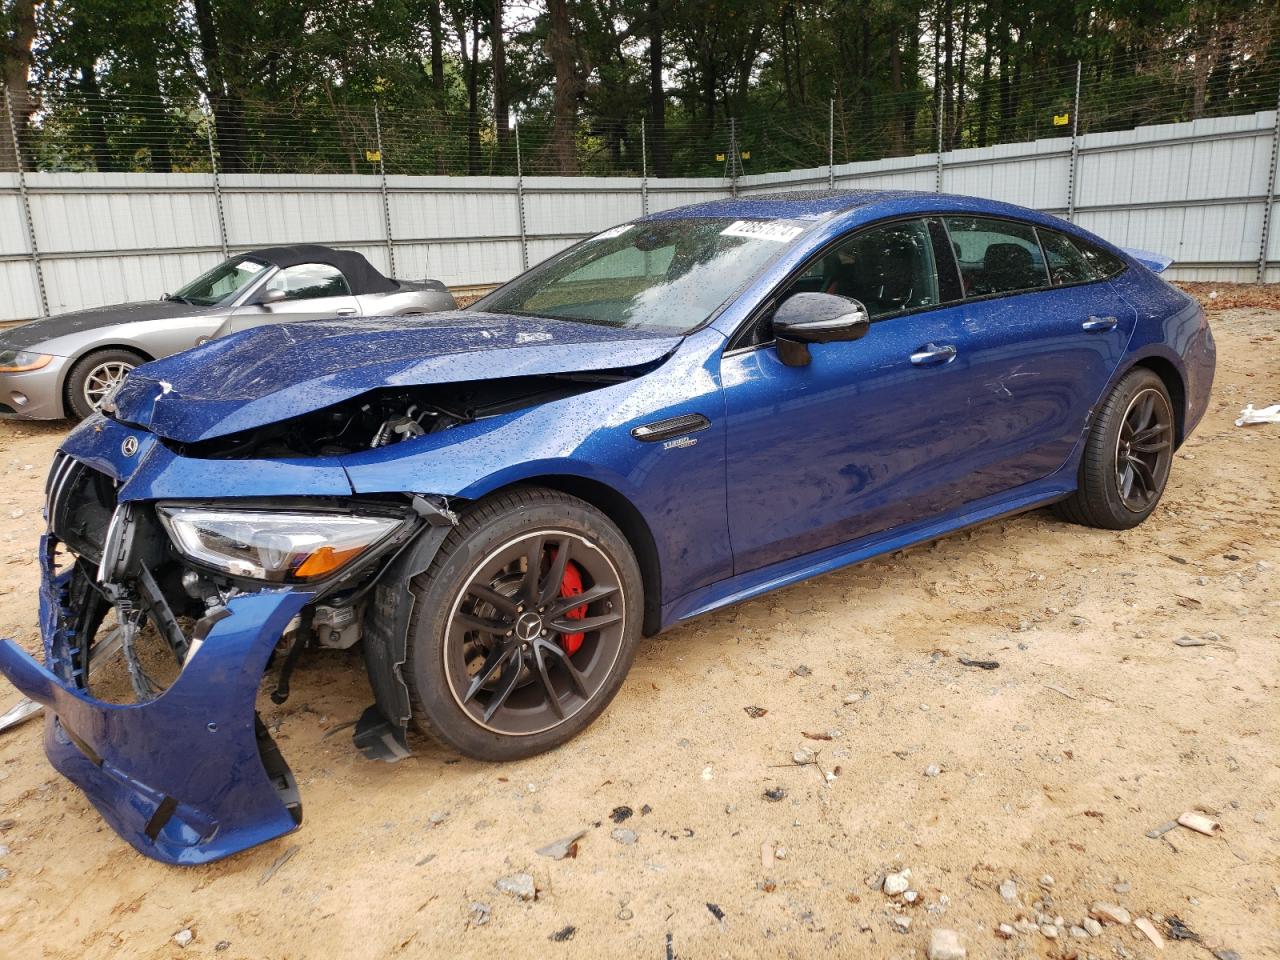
[(173, 297)]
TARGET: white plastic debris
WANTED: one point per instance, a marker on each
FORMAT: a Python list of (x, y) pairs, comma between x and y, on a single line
[(1249, 415)]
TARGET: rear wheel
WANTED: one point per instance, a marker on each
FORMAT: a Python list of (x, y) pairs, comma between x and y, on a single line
[(524, 626), (94, 376), (1127, 456)]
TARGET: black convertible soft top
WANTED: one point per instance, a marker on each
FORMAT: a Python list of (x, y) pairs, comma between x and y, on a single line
[(360, 273)]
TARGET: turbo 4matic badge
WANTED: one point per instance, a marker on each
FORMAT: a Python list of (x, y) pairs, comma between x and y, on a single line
[(762, 230)]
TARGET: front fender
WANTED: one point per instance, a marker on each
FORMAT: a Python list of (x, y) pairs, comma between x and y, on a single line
[(676, 485)]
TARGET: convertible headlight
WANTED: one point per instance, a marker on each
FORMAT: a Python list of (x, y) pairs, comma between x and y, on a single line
[(20, 361), (276, 547)]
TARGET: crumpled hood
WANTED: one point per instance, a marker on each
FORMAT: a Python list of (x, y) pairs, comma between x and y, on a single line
[(27, 335), (267, 374)]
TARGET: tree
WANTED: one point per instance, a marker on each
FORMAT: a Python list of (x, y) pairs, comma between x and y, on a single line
[(17, 34)]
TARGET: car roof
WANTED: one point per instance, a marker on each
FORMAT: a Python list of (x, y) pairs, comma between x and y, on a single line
[(791, 203), (362, 276), (860, 206)]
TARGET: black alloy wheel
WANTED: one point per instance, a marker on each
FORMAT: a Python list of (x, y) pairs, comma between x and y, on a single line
[(1128, 452), (524, 626), (524, 653)]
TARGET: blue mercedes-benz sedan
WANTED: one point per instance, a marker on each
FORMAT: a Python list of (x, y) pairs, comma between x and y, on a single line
[(497, 503)]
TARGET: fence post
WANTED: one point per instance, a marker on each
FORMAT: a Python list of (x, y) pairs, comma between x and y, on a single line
[(382, 178), (26, 202), (1075, 151), (831, 144), (1269, 201), (217, 188), (644, 173), (524, 239)]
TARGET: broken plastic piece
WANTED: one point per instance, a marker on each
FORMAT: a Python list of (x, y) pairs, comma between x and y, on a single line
[(1249, 415)]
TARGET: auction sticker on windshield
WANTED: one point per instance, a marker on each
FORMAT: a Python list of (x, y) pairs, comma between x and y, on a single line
[(762, 230)]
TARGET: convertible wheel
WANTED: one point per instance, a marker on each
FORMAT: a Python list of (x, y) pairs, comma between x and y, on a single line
[(524, 626), (94, 376), (1126, 456)]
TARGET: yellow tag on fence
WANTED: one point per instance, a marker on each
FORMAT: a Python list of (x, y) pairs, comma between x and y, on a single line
[(746, 154), (373, 156), (719, 158), (1061, 119)]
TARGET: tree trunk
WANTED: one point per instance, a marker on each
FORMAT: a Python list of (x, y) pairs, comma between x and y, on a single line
[(657, 95), (15, 60), (564, 106), (897, 121), (473, 98), (957, 124), (948, 92), (228, 110), (436, 28), (501, 114), (96, 117), (984, 93)]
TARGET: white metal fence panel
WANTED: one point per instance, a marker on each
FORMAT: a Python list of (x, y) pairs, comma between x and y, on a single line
[(1195, 191)]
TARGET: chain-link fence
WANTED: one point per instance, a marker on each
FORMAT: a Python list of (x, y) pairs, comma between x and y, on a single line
[(82, 132), (229, 195)]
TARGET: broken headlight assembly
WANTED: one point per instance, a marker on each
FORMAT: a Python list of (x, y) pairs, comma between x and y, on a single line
[(277, 547)]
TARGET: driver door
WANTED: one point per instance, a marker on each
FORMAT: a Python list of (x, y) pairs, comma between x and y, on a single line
[(312, 291), (869, 434)]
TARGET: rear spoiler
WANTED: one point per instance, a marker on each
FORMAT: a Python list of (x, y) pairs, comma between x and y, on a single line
[(1155, 262)]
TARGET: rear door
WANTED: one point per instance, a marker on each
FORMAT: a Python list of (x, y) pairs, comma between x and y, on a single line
[(1046, 331)]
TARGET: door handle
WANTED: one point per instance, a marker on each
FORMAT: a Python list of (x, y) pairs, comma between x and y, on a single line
[(346, 312), (931, 354), (1099, 324)]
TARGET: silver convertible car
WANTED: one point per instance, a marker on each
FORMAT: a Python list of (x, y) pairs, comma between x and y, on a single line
[(63, 366)]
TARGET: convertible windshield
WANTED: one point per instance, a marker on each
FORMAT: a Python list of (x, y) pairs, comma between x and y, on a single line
[(221, 283), (662, 275)]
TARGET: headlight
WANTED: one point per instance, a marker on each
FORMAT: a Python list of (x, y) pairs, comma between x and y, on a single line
[(19, 361), (275, 547)]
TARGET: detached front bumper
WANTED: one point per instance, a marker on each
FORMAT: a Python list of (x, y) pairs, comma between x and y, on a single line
[(190, 776)]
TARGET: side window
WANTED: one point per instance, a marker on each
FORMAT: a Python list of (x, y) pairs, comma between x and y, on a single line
[(1067, 264), (1104, 264), (889, 269), (307, 281), (996, 256)]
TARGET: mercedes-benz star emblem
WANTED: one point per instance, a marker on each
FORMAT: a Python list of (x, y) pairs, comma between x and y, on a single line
[(130, 446)]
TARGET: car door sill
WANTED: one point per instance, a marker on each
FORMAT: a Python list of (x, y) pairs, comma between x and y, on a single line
[(784, 573)]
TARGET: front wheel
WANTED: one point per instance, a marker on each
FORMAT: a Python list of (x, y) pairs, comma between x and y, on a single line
[(94, 377), (1127, 456), (524, 626)]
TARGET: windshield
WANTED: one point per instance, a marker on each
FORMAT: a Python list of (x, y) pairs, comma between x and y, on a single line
[(221, 283), (660, 275)]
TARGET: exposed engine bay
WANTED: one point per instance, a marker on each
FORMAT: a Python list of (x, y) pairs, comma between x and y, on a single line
[(392, 415)]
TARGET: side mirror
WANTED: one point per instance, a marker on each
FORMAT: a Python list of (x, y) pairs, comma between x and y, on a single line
[(806, 318), (268, 297)]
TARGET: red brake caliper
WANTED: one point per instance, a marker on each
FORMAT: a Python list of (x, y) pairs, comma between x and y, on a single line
[(571, 586)]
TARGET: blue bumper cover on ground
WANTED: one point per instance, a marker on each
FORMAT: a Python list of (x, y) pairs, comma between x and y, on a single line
[(181, 777)]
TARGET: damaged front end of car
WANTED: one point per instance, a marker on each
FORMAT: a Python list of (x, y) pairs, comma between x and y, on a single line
[(160, 618), (214, 524)]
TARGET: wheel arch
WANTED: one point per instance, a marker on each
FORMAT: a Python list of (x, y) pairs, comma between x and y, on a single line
[(618, 508), (94, 348), (1174, 383)]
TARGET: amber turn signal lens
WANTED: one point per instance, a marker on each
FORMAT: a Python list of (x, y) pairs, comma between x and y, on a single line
[(325, 560)]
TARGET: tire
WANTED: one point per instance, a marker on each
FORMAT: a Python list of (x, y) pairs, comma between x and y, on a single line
[(472, 609), (92, 375), (1127, 456)]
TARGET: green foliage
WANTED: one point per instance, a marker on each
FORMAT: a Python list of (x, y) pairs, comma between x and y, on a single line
[(291, 85)]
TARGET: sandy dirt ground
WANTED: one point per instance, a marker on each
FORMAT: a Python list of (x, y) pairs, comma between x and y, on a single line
[(1049, 770)]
